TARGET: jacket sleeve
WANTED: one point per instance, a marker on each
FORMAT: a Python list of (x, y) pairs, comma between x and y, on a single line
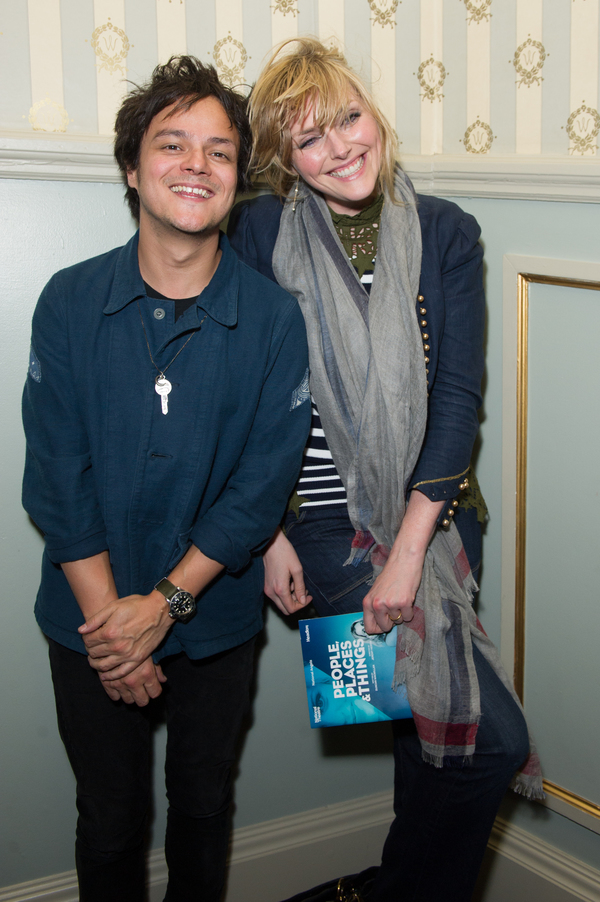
[(245, 515), (455, 392), (252, 231), (59, 492)]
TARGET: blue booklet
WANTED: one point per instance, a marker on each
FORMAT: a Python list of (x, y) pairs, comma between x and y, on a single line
[(349, 673)]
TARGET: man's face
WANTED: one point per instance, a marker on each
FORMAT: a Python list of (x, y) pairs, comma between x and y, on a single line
[(187, 173)]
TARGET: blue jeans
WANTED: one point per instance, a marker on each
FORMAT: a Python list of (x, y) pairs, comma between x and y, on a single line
[(444, 816), (109, 747)]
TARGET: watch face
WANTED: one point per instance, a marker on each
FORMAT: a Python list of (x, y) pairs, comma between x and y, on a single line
[(182, 604)]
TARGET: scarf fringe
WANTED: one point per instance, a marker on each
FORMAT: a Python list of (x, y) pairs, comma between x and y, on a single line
[(430, 758), (531, 787)]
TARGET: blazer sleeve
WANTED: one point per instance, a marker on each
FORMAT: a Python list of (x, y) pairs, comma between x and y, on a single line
[(454, 304), (252, 231)]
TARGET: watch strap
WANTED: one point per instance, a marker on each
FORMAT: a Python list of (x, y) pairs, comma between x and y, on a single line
[(167, 588)]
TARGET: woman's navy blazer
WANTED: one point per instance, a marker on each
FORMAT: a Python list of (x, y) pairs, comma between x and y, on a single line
[(450, 308)]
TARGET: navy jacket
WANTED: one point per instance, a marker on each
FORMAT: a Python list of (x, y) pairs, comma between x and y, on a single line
[(107, 470), (450, 308)]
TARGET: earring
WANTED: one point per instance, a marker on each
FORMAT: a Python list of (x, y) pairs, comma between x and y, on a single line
[(295, 194)]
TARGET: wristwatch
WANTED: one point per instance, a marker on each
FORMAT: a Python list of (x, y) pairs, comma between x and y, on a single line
[(182, 604)]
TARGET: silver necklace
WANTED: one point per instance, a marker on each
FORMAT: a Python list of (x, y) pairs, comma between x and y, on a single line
[(162, 386)]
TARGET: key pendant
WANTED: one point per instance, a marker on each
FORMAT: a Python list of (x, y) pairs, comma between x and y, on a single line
[(162, 387)]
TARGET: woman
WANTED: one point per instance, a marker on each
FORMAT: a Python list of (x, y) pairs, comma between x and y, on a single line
[(390, 285)]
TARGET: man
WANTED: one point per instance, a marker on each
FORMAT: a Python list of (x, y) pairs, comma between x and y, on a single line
[(165, 420)]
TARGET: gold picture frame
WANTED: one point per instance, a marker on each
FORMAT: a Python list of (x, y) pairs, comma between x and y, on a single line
[(560, 798)]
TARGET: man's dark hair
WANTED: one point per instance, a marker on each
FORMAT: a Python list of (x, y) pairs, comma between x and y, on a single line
[(182, 81)]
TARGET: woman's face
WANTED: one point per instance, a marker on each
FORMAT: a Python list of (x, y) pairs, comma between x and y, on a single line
[(341, 162)]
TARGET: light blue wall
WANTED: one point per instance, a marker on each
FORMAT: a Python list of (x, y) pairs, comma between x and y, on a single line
[(285, 768), (569, 232)]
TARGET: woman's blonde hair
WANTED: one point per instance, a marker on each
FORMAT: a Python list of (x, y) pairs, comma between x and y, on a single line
[(307, 74)]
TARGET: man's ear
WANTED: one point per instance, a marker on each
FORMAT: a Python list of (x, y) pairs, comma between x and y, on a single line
[(132, 178)]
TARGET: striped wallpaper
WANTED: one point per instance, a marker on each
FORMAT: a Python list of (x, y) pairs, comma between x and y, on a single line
[(472, 77)]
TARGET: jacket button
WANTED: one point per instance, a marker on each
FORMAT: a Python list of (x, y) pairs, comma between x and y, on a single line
[(425, 336), (422, 311), (450, 512), (455, 503), (445, 522), (420, 298), (464, 485), (159, 313), (423, 323), (426, 348), (427, 360)]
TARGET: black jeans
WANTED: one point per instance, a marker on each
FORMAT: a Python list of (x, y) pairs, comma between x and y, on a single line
[(108, 744), (444, 816)]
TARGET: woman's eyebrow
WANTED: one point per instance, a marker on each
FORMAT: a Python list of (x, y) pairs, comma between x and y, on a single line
[(307, 131)]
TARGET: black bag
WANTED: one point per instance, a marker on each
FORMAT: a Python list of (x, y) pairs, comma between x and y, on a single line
[(353, 888)]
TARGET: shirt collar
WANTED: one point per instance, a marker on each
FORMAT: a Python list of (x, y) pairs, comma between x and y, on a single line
[(219, 299)]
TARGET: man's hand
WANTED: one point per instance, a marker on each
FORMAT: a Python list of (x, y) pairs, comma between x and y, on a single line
[(284, 577), (139, 686), (125, 633)]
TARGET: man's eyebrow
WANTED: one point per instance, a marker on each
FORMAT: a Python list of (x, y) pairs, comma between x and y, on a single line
[(179, 133)]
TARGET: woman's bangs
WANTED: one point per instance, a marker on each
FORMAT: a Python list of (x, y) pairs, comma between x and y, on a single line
[(326, 92)]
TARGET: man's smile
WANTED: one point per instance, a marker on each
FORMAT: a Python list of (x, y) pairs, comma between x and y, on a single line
[(190, 191)]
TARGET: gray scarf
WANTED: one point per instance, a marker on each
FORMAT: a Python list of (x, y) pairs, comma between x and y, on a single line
[(367, 370), (367, 375)]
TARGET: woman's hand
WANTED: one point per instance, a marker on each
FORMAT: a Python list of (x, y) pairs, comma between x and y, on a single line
[(284, 579), (393, 593), (395, 589)]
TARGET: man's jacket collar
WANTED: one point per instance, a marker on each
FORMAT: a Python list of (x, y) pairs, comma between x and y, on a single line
[(219, 299)]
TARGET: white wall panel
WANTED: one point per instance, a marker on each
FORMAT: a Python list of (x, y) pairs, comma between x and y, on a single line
[(331, 21), (528, 61), (383, 55), (170, 28), (284, 21), (584, 121), (432, 75), (229, 54), (478, 135), (111, 46), (47, 111)]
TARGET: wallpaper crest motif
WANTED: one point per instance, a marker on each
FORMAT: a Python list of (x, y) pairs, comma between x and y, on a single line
[(111, 46), (285, 7), (230, 58), (478, 10), (384, 11), (583, 127), (431, 75), (478, 137), (528, 61), (48, 116)]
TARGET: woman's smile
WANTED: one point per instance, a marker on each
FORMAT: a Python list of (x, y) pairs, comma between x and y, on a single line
[(350, 170)]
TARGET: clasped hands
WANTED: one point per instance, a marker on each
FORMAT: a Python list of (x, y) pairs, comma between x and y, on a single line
[(120, 640)]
